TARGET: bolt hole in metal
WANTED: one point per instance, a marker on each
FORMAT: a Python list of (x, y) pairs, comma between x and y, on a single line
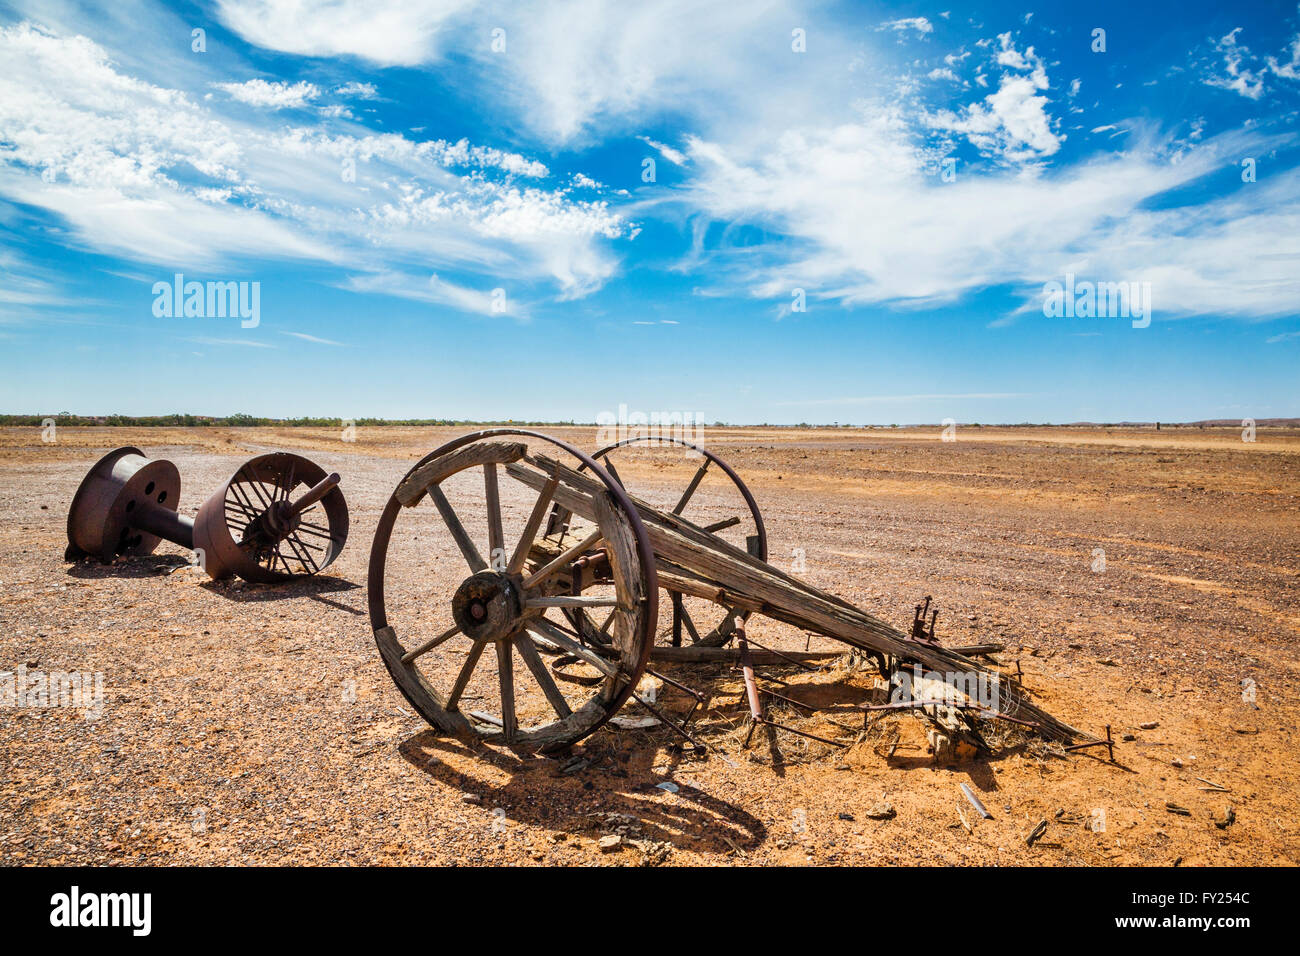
[(148, 489)]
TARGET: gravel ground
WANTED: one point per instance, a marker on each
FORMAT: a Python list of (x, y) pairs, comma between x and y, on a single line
[(257, 725)]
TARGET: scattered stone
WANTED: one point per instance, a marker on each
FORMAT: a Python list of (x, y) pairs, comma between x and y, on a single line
[(846, 816), (1128, 737), (667, 785), (1229, 818), (609, 843), (473, 798), (882, 810), (1177, 810), (1149, 725), (1176, 762)]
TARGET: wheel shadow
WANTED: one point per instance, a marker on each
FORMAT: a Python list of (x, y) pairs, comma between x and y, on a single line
[(242, 592), (135, 566), (314, 587), (616, 788)]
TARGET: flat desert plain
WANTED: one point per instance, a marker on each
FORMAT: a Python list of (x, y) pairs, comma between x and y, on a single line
[(1138, 579)]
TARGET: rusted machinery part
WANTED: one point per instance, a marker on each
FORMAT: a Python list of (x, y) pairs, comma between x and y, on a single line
[(682, 620), (253, 526), (264, 523), (506, 604), (126, 504)]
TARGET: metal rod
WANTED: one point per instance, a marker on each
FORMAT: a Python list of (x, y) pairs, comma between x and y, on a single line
[(314, 494)]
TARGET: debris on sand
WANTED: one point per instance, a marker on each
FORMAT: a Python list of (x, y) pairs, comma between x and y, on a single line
[(882, 809)]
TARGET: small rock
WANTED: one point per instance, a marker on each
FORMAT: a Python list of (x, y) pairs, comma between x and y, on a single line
[(668, 785), (1129, 737), (882, 810), (1229, 818), (610, 843), (1176, 762), (846, 816), (473, 798), (1149, 725)]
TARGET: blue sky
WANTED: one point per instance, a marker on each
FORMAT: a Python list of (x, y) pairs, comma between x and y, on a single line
[(449, 210)]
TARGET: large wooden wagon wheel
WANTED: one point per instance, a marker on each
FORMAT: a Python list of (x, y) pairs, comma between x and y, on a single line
[(439, 602), (701, 488)]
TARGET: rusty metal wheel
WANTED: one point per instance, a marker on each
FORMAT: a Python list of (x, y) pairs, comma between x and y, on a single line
[(438, 602), (696, 484), (255, 527)]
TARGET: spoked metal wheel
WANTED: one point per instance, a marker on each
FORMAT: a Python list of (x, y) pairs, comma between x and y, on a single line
[(279, 517), (676, 476), (476, 638)]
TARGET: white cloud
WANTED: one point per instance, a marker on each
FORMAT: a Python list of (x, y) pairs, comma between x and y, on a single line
[(1236, 76), (273, 95), (360, 91), (918, 25), (1011, 123), (854, 219), (387, 32), (151, 174), (431, 289), (674, 156), (569, 66), (311, 338)]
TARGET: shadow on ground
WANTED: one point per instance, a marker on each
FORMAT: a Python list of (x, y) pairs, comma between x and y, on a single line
[(539, 793)]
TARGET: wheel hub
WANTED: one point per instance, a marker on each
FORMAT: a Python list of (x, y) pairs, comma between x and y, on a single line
[(487, 606)]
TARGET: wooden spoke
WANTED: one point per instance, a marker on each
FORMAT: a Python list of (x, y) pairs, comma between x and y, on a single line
[(462, 679), (677, 619), (506, 672), (528, 651), (553, 634), (690, 489), (431, 644), (565, 600), (722, 525), (496, 539), (613, 473), (586, 544), (690, 625), (463, 540), (520, 557)]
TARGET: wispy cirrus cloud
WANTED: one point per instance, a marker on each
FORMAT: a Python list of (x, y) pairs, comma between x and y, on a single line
[(314, 339), (159, 175)]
